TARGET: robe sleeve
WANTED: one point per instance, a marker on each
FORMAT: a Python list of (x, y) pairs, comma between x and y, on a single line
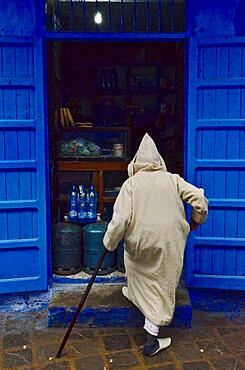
[(195, 197), (121, 218)]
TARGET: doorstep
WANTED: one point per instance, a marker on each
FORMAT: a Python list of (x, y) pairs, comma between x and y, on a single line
[(105, 305), (82, 277)]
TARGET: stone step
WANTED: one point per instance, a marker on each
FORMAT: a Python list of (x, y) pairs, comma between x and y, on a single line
[(106, 307)]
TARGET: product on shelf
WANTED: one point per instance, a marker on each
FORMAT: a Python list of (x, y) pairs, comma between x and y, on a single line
[(72, 203), (82, 204), (92, 203), (108, 79), (79, 147), (66, 119), (83, 124), (118, 150)]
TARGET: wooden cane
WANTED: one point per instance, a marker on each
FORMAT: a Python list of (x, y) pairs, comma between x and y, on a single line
[(80, 306)]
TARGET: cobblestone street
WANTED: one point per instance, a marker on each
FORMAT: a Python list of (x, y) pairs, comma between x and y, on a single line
[(214, 342)]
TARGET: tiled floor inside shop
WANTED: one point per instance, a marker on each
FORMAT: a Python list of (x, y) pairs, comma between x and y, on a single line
[(214, 342)]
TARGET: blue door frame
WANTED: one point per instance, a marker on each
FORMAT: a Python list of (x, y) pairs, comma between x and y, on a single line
[(103, 37), (96, 37)]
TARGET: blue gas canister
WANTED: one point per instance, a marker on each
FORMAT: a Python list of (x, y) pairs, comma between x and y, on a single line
[(120, 249), (93, 235), (67, 248), (120, 257)]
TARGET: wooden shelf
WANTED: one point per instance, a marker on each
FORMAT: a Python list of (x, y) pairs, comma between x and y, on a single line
[(106, 199), (109, 199), (129, 91), (93, 165), (95, 129), (108, 64)]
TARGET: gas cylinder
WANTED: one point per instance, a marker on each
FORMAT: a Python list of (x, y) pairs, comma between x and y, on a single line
[(120, 257), (93, 235), (67, 248)]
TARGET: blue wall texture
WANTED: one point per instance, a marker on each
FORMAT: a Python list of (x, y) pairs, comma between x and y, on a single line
[(205, 18), (216, 18), (17, 18)]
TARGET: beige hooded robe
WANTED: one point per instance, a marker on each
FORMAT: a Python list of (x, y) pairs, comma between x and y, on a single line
[(149, 215)]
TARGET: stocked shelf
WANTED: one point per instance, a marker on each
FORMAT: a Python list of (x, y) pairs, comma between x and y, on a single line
[(113, 100), (97, 167)]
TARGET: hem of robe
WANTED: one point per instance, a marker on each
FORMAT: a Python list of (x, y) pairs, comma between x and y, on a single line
[(151, 318)]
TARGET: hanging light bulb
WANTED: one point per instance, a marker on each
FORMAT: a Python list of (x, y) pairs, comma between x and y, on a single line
[(98, 18)]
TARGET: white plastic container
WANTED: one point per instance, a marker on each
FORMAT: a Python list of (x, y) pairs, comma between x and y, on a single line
[(118, 150)]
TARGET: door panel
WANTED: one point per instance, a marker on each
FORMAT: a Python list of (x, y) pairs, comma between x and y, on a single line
[(215, 255), (23, 245)]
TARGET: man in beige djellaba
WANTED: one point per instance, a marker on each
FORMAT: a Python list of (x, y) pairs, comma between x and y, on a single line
[(149, 215)]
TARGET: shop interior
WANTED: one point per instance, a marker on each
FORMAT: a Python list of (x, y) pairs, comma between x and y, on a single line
[(103, 98)]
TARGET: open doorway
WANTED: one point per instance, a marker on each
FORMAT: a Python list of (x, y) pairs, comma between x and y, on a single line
[(109, 94)]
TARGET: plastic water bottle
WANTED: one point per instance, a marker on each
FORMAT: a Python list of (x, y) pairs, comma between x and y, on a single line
[(87, 202), (81, 204), (72, 203), (92, 205)]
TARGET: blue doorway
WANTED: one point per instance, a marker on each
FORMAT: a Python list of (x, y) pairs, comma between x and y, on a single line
[(147, 96)]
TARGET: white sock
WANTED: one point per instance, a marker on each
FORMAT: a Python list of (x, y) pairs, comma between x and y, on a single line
[(151, 328)]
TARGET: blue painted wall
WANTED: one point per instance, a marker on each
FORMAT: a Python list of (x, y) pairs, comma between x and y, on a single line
[(216, 17), (17, 18)]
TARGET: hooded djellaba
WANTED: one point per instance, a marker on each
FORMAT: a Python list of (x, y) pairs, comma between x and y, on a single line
[(149, 215)]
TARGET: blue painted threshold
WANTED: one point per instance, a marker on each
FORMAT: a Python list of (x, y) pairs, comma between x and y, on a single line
[(106, 306)]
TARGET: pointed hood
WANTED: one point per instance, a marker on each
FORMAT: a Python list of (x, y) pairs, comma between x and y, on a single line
[(147, 158)]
